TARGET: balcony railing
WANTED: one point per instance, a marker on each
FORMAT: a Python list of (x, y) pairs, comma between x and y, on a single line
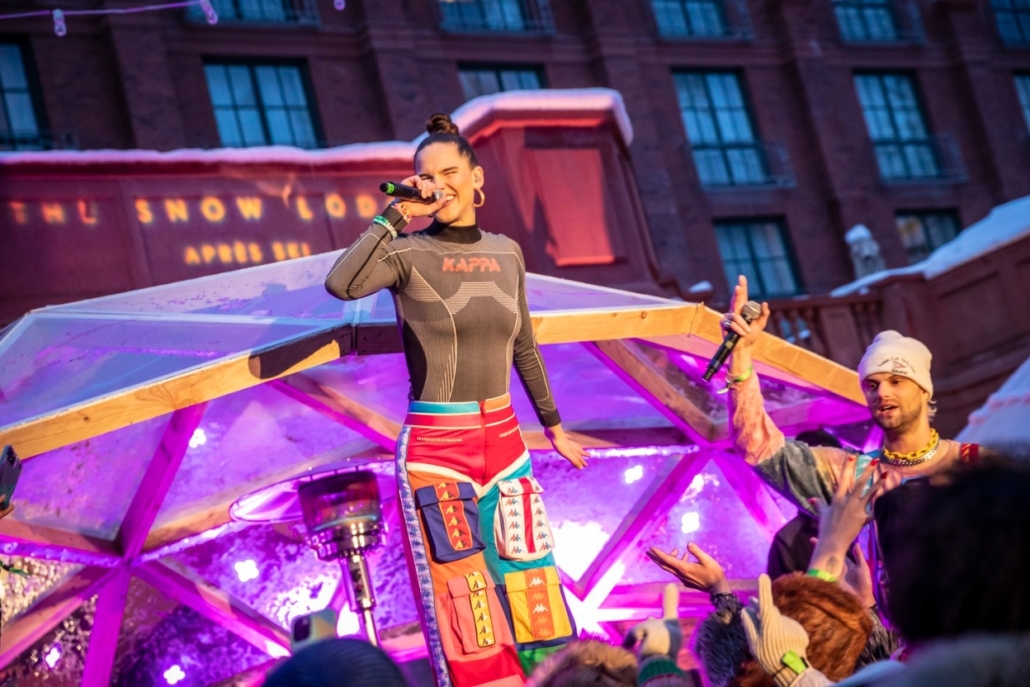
[(496, 16), (879, 22), (303, 12), (743, 164), (702, 19), (42, 140), (836, 328), (920, 160)]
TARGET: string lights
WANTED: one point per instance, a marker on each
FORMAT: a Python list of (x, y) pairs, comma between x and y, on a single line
[(61, 27)]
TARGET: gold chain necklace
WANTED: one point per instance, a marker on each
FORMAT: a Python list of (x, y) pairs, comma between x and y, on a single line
[(915, 457)]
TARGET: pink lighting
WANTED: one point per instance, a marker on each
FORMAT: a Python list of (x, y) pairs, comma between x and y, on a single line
[(349, 622), (174, 675), (577, 545), (198, 438), (53, 656), (633, 474), (690, 522)]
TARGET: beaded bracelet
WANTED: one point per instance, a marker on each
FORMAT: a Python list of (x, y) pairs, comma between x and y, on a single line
[(822, 575), (730, 381), (383, 222)]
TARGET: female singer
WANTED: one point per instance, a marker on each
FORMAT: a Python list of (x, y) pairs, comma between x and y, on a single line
[(477, 533)]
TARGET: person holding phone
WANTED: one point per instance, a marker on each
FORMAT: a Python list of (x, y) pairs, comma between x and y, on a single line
[(477, 531)]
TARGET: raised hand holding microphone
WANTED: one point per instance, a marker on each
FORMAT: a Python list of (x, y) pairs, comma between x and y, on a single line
[(740, 361), (419, 208)]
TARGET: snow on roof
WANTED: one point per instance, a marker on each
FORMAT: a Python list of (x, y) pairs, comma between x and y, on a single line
[(1002, 420), (1005, 224), (466, 117)]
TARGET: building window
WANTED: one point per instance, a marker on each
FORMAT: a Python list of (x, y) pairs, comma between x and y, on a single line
[(701, 18), (1023, 89), (486, 80), (866, 21), (262, 11), (722, 137), (904, 147), (506, 16), (260, 104), (924, 232), (758, 250), (19, 125), (1013, 18)]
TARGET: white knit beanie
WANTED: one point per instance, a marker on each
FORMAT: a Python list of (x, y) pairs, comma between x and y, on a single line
[(899, 355)]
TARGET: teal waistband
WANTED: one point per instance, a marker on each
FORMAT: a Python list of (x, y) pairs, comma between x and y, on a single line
[(443, 408)]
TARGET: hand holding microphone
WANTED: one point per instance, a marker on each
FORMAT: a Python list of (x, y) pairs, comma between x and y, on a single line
[(416, 197), (743, 324)]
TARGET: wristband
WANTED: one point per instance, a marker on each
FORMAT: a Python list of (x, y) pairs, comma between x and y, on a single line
[(730, 381), (794, 661), (822, 575), (383, 222)]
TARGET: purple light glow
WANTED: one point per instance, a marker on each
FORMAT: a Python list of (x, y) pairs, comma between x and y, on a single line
[(174, 675), (246, 570), (53, 656)]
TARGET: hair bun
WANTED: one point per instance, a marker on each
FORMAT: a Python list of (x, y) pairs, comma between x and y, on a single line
[(440, 123)]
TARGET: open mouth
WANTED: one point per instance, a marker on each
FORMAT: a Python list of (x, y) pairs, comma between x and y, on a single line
[(886, 409)]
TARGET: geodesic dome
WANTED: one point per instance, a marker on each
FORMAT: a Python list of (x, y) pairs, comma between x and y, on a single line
[(143, 416)]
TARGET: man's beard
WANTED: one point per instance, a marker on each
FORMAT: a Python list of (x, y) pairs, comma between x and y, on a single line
[(902, 421)]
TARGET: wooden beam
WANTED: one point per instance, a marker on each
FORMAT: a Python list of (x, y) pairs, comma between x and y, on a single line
[(45, 614), (190, 387), (655, 387), (160, 474), (39, 541), (107, 625), (218, 606), (340, 408), (605, 325)]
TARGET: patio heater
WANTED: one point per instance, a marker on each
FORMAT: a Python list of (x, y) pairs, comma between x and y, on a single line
[(340, 508), (343, 520)]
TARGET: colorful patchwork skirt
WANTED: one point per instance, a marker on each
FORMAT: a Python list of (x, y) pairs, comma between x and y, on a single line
[(479, 544)]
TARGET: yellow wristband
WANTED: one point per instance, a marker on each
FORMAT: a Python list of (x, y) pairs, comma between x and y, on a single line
[(730, 381)]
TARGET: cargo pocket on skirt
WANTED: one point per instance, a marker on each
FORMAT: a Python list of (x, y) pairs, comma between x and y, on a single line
[(538, 610), (521, 528), (451, 518)]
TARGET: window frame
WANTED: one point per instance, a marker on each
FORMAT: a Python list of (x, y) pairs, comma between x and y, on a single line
[(755, 143), (889, 6), (35, 92), (252, 63), (305, 13), (498, 68), (725, 25), (1021, 82), (928, 140), (789, 255), (536, 18), (922, 215), (1024, 31)]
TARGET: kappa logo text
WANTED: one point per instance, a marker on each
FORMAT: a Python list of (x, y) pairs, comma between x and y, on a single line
[(471, 265)]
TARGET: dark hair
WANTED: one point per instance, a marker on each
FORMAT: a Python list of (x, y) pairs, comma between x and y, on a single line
[(957, 551), (338, 663), (442, 130), (818, 437), (588, 663)]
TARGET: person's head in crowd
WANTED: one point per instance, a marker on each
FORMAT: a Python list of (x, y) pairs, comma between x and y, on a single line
[(838, 629), (957, 551), (896, 382), (587, 663), (338, 663), (819, 437)]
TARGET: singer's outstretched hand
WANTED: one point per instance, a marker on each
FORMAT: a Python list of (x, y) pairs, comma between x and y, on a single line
[(733, 320), (426, 186)]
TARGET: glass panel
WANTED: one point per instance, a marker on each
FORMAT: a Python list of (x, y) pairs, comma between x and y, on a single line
[(64, 646), (758, 251), (268, 85), (252, 129), (87, 487), (218, 85), (12, 69), (549, 293), (1023, 89), (279, 126), (228, 128), (22, 591), (241, 85), (293, 86), (20, 114), (303, 132)]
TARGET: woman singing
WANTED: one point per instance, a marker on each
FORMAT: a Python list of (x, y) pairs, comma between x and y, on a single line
[(478, 535)]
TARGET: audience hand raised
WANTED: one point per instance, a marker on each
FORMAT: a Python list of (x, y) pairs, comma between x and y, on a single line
[(706, 575)]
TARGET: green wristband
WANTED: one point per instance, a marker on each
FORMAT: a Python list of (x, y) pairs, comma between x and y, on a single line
[(822, 575), (794, 661), (736, 380)]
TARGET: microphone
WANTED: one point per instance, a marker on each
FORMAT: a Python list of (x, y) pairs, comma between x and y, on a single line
[(408, 193), (750, 312)]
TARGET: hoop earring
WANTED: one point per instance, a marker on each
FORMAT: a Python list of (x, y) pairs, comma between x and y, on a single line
[(482, 198)]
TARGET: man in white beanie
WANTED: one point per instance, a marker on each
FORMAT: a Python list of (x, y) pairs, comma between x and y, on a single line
[(895, 378)]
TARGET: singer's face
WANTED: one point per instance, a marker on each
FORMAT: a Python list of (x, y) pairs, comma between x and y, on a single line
[(451, 173), (896, 403)]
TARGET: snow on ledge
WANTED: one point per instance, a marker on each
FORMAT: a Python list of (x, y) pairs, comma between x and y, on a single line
[(1005, 224), (466, 117), (1002, 419)]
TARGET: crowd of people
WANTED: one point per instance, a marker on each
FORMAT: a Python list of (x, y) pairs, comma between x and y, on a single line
[(940, 597)]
